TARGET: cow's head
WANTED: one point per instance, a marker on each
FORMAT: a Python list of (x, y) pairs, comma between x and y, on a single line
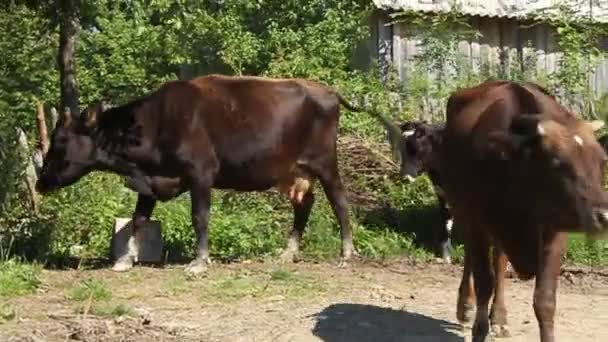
[(419, 139), (72, 152), (564, 165)]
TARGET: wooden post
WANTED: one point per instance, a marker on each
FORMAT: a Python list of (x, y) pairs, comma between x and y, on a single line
[(385, 48), (30, 169), (54, 118), (43, 135)]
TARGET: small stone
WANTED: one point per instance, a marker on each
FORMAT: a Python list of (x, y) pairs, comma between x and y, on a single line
[(144, 314)]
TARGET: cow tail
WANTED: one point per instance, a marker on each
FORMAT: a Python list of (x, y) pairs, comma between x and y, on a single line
[(393, 131), (385, 122), (347, 104)]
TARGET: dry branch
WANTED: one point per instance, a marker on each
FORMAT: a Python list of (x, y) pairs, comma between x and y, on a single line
[(43, 135), (364, 164)]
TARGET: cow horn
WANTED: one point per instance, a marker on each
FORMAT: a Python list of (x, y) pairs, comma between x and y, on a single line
[(92, 113), (540, 129)]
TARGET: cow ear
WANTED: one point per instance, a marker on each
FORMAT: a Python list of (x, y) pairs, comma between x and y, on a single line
[(92, 114), (524, 135), (527, 126)]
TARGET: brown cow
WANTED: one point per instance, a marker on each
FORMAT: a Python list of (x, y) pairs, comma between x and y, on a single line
[(519, 172), (240, 133)]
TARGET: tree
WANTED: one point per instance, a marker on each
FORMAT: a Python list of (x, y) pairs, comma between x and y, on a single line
[(68, 15)]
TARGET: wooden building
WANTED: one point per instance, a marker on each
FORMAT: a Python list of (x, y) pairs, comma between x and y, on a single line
[(506, 33)]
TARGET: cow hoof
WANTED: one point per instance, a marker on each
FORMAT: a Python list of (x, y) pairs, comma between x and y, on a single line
[(501, 331), (344, 263), (444, 260), (197, 266), (487, 338), (123, 264), (289, 256)]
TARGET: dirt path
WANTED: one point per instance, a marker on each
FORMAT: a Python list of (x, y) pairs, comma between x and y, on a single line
[(303, 302)]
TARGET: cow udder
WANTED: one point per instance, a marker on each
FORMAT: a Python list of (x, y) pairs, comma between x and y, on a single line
[(295, 187)]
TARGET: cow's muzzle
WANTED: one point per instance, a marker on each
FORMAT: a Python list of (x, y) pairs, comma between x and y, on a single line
[(46, 184), (409, 172)]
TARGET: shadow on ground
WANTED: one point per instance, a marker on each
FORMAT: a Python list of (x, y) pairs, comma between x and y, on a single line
[(358, 322), (422, 223)]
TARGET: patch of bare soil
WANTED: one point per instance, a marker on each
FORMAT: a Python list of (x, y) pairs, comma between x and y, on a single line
[(400, 301)]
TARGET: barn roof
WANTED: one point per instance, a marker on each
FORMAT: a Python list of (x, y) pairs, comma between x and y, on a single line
[(498, 8)]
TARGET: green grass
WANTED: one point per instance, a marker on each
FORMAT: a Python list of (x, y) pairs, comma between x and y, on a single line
[(95, 289), (255, 226), (582, 250), (18, 278), (252, 284), (7, 312), (106, 310), (94, 296)]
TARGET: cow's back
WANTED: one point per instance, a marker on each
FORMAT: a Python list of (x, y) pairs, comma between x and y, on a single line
[(476, 179), (257, 129)]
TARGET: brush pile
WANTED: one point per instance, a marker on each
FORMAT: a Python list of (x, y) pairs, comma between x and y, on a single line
[(364, 167)]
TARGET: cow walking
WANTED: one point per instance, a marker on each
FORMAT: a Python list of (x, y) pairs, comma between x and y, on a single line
[(419, 138), (241, 133), (519, 171)]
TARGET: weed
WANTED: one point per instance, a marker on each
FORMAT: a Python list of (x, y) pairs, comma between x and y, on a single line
[(18, 278), (583, 250), (176, 284), (282, 282), (106, 310), (7, 312), (95, 289), (280, 275)]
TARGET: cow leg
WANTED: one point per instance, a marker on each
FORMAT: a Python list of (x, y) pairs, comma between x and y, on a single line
[(484, 285), (498, 313), (466, 292), (143, 211), (301, 212), (201, 203), (446, 242), (446, 233), (334, 190), (547, 278)]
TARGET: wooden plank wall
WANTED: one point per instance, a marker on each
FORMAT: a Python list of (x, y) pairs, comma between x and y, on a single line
[(504, 42)]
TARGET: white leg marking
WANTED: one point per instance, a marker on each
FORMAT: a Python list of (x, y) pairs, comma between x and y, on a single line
[(448, 225)]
